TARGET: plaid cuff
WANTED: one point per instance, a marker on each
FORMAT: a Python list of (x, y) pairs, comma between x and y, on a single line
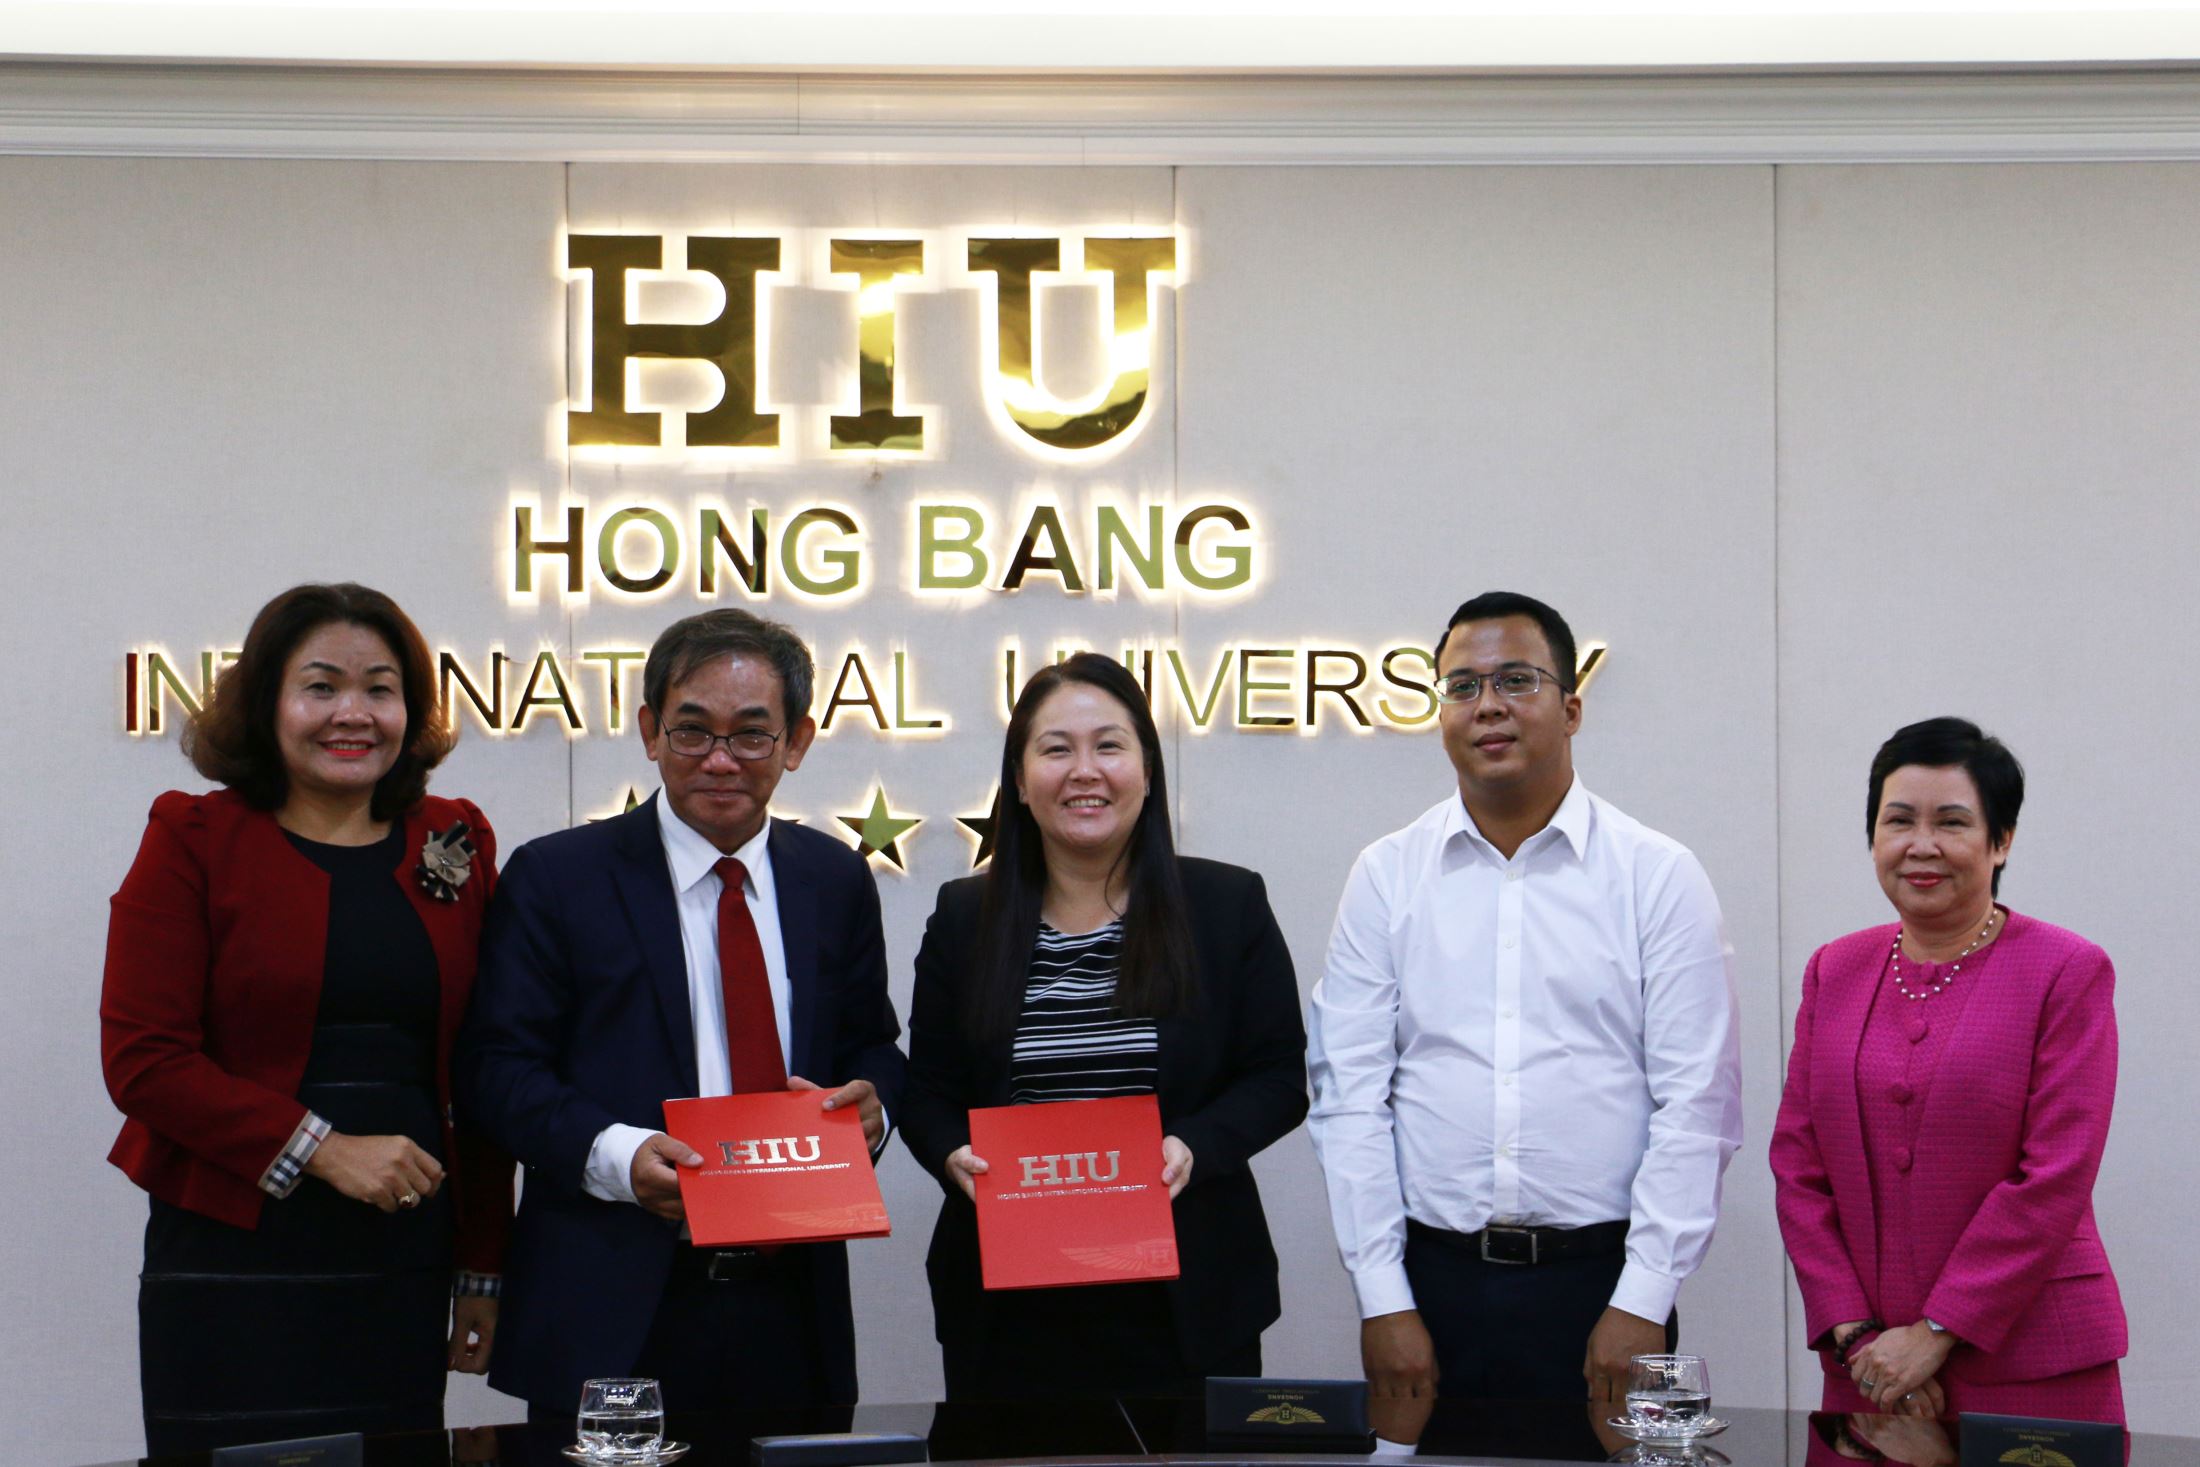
[(466, 1284), (283, 1173)]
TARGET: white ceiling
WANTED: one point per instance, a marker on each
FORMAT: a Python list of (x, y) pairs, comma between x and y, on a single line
[(843, 37)]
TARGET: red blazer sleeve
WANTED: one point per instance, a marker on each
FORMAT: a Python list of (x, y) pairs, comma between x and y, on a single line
[(484, 1170), (1810, 1223), (2016, 1236), (153, 1002)]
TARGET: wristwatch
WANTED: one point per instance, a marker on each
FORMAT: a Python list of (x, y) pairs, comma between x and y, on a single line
[(1936, 1326)]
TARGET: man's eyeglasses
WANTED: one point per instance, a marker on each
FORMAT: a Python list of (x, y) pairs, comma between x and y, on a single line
[(1524, 681), (690, 742)]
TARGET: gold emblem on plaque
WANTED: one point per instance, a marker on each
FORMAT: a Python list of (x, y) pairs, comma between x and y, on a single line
[(1289, 1413), (2032, 1454)]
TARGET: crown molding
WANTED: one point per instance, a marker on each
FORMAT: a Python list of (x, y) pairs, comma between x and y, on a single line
[(170, 110)]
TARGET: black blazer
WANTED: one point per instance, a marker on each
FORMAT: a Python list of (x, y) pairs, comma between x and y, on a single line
[(1232, 1080), (581, 1018)]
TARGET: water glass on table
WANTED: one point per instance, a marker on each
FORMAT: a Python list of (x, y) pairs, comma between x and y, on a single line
[(621, 1419), (1668, 1393)]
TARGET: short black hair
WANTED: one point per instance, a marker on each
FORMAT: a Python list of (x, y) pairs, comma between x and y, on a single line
[(1491, 605), (728, 631), (1954, 743)]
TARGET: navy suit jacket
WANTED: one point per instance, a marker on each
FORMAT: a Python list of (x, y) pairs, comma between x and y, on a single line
[(581, 1019)]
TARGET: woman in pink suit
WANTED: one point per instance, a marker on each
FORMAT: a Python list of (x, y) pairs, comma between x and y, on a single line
[(1946, 1105)]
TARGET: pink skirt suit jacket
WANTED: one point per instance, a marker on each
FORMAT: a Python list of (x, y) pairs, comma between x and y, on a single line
[(1992, 1232)]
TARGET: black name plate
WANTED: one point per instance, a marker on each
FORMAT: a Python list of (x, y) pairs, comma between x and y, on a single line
[(2037, 1441), (1244, 1407), (837, 1449), (308, 1451)]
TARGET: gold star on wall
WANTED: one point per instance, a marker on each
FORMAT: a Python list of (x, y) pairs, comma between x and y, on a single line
[(633, 801), (879, 833), (983, 827)]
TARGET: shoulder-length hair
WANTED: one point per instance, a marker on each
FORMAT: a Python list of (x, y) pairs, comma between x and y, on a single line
[(1157, 973), (232, 739)]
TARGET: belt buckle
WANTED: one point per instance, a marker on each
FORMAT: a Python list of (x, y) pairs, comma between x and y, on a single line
[(1533, 1248), (728, 1265)]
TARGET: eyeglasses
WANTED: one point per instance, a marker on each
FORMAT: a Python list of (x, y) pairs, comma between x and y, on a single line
[(1524, 681), (690, 742)]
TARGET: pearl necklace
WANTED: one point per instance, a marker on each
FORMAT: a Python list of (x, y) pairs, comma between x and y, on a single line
[(1894, 961)]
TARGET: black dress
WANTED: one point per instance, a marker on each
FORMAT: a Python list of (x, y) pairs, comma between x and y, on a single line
[(331, 1315)]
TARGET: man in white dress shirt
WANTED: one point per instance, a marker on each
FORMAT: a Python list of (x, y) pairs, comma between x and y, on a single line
[(1527, 1080), (692, 946)]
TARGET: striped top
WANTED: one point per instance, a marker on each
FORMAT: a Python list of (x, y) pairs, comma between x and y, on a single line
[(1068, 1045)]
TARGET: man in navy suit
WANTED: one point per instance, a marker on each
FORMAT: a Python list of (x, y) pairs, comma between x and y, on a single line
[(693, 946)]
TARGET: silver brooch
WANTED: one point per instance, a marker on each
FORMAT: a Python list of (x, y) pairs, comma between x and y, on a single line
[(446, 860)]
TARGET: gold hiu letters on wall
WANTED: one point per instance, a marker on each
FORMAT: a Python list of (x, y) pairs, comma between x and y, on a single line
[(1009, 271)]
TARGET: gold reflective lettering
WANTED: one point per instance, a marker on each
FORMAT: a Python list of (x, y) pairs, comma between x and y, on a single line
[(162, 682), (614, 660), (1340, 691), (728, 341), (1248, 685), (934, 541), (1588, 664), (1202, 710), (1130, 264), (1113, 531), (489, 711), (1140, 665), (852, 666), (1046, 521), (607, 549), (849, 563), (902, 718), (1238, 559), (560, 697), (1419, 687), (877, 265), (752, 565), (525, 547)]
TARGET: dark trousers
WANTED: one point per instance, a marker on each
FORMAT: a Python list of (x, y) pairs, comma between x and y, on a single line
[(1080, 1343), (740, 1343), (1509, 1331), (745, 1342)]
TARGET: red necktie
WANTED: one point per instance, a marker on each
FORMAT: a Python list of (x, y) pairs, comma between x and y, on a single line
[(752, 1033)]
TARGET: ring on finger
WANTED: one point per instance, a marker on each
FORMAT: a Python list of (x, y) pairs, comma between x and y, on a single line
[(409, 1199), (1868, 1385)]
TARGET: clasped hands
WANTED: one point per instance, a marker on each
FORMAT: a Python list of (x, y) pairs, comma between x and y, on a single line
[(393, 1173), (964, 1166), (1898, 1370), (655, 1174)]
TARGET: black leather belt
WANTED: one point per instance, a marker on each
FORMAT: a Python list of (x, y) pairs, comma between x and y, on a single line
[(1500, 1244)]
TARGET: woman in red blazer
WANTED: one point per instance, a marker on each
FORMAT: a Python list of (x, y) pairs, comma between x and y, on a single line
[(1946, 1105), (287, 963)]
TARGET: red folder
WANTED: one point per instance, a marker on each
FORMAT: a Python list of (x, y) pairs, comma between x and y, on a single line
[(777, 1168), (1073, 1194)]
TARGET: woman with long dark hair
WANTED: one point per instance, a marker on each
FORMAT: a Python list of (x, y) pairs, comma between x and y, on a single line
[(1090, 960), (287, 963)]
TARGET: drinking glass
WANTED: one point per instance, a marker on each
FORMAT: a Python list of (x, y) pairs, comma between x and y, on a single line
[(621, 1419), (1670, 1394)]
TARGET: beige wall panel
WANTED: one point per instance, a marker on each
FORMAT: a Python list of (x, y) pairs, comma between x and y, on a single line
[(221, 379), (1428, 383), (1986, 450)]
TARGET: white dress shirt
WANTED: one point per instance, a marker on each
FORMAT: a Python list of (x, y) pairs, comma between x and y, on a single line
[(1545, 1041), (690, 860)]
